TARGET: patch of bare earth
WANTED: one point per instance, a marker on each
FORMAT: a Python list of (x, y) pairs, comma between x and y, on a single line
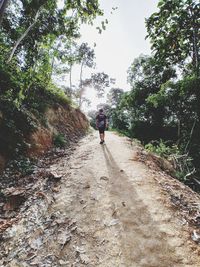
[(110, 210)]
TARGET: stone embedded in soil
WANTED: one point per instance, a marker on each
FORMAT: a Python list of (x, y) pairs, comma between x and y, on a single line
[(104, 178), (84, 259), (63, 238)]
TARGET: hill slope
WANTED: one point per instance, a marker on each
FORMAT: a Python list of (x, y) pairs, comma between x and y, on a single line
[(33, 135)]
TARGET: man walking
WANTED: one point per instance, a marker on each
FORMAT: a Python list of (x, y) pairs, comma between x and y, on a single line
[(102, 124)]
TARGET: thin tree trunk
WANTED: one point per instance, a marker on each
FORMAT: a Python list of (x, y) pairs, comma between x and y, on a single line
[(196, 54), (70, 71), (81, 74), (70, 79), (52, 65), (22, 37), (196, 63), (179, 129), (3, 5), (53, 61), (81, 89), (191, 133)]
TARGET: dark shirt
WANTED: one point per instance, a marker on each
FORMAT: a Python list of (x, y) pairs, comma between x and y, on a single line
[(101, 120)]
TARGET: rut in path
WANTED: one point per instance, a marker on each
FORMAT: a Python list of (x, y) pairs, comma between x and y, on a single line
[(109, 212)]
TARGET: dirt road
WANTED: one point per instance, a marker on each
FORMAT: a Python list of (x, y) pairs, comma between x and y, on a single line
[(109, 212)]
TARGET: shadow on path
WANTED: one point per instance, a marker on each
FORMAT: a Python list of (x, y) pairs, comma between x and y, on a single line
[(142, 241)]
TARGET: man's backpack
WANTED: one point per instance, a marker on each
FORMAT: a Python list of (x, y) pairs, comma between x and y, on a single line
[(101, 120)]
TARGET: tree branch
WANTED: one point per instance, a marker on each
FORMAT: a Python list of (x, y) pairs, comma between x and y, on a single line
[(22, 37)]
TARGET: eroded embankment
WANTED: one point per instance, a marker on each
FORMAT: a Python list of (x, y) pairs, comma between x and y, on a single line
[(33, 136)]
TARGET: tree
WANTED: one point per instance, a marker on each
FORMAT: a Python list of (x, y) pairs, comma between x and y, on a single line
[(181, 101), (3, 6), (23, 36), (34, 37), (100, 81), (86, 59), (64, 57), (92, 117), (35, 20), (35, 32), (114, 96), (146, 76), (106, 108), (174, 32)]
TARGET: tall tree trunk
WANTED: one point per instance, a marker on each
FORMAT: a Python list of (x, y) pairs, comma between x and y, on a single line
[(70, 79), (81, 86), (191, 133), (52, 65), (179, 129), (53, 61), (70, 71), (195, 51), (3, 5), (22, 37), (196, 59)]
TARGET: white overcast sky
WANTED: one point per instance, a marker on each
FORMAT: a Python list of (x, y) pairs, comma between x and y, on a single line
[(121, 42), (124, 38)]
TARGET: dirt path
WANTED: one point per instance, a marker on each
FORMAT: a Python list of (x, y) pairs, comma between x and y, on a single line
[(109, 212)]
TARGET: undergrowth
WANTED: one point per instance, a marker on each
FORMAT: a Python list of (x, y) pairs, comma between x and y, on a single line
[(59, 140), (183, 163), (162, 148)]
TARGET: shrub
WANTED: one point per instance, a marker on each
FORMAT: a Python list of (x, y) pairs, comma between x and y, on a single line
[(39, 97), (183, 163), (161, 148), (23, 165), (60, 141)]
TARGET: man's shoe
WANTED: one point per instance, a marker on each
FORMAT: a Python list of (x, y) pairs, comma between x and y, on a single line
[(101, 142)]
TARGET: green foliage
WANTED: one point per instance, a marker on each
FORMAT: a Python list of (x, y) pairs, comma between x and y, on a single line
[(119, 119), (114, 96), (23, 165), (85, 55), (146, 77), (183, 164), (34, 37), (40, 96), (181, 102), (162, 148), (100, 81), (60, 141), (16, 123), (121, 132), (92, 117), (174, 32), (180, 176), (162, 112)]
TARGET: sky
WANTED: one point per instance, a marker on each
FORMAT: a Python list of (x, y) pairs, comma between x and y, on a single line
[(121, 42), (124, 38), (117, 46)]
